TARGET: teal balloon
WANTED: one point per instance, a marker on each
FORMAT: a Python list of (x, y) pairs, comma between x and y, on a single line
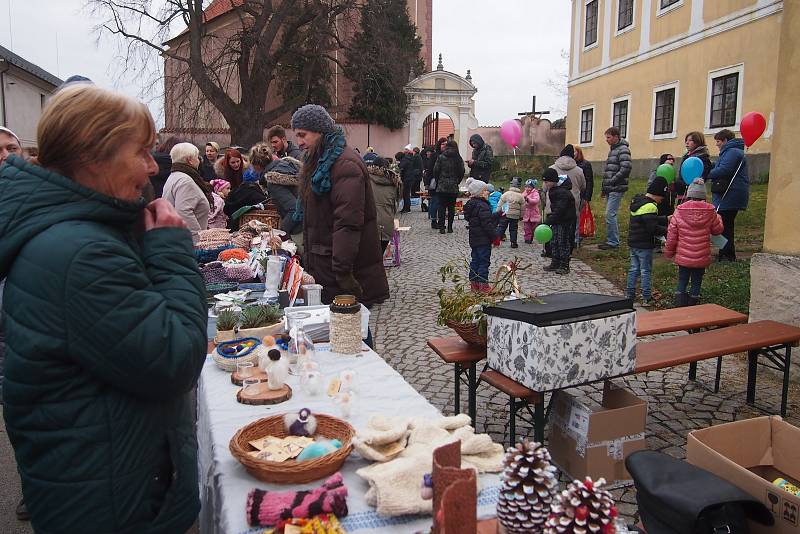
[(691, 168), (543, 234), (667, 172)]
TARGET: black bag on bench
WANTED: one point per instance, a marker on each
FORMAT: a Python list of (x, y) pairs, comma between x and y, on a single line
[(676, 497)]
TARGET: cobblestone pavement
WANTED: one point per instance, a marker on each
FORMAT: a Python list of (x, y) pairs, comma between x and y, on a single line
[(676, 406)]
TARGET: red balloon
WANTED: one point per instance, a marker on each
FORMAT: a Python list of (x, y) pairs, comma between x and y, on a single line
[(752, 126)]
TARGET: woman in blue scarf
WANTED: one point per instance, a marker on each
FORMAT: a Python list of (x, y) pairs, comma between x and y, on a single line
[(341, 245)]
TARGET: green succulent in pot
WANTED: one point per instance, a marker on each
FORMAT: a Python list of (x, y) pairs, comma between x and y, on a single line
[(226, 320), (259, 315)]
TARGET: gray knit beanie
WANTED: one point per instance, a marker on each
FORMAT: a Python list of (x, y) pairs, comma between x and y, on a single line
[(696, 190), (476, 187), (313, 118)]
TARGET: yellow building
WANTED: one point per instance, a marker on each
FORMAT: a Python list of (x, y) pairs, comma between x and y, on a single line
[(659, 69)]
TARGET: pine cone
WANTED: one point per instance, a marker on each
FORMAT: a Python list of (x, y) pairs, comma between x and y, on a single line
[(530, 487), (583, 508)]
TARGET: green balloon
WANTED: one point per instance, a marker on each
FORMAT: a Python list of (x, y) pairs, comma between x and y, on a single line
[(543, 234), (667, 172)]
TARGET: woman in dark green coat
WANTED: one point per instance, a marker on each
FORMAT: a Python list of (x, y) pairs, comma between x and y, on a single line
[(105, 324)]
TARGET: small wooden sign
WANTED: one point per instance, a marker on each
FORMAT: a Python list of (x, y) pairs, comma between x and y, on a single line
[(263, 395)]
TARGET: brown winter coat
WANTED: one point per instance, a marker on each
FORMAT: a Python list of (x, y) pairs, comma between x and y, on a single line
[(341, 232)]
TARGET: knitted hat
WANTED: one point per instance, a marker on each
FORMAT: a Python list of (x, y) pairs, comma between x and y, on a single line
[(515, 181), (408, 148), (696, 190), (531, 183), (476, 187), (568, 150), (213, 144), (219, 185), (313, 118), (658, 187), (12, 134), (250, 175), (490, 187), (549, 175)]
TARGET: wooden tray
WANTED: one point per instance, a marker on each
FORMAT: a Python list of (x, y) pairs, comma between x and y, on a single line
[(265, 395), (236, 380)]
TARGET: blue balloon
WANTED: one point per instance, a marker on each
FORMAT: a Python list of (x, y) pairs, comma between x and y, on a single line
[(691, 168)]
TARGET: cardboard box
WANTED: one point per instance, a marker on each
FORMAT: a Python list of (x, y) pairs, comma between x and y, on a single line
[(751, 454), (594, 441), (562, 340)]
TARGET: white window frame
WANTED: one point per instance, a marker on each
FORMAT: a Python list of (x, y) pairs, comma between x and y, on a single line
[(668, 9), (626, 29), (628, 118), (718, 73), (674, 133), (596, 42), (593, 107)]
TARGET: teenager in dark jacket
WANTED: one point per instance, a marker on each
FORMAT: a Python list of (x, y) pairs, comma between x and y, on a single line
[(418, 169), (482, 156), (645, 226), (448, 173), (281, 180), (561, 219), (482, 234), (407, 175), (588, 174)]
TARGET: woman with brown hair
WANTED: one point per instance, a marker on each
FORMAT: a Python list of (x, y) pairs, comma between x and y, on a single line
[(342, 248), (105, 324), (231, 167)]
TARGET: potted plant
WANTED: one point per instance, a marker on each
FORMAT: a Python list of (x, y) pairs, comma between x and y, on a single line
[(259, 321), (226, 324), (461, 308)]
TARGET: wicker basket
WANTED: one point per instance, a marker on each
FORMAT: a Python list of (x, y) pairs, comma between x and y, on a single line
[(468, 332), (269, 217), (229, 364), (292, 471)]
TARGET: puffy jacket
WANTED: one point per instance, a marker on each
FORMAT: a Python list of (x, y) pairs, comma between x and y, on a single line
[(494, 200), (515, 203), (281, 180), (482, 156), (689, 234), (618, 168), (565, 165), (448, 171), (247, 194), (482, 224), (731, 154), (429, 157), (588, 175), (561, 203), (532, 212), (386, 188), (189, 201), (406, 164), (105, 338), (645, 223)]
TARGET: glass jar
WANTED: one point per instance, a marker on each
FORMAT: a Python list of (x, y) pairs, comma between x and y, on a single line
[(301, 348)]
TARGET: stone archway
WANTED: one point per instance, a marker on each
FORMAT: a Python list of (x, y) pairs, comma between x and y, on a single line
[(443, 92)]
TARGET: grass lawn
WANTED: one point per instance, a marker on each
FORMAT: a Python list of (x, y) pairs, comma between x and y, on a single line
[(727, 284)]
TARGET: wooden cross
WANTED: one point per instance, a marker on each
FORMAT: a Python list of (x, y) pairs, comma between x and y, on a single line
[(536, 114)]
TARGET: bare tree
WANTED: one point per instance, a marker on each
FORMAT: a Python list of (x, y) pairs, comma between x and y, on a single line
[(264, 61), (558, 84)]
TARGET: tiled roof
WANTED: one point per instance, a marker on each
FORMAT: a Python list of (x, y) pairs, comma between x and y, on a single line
[(29, 67), (220, 7)]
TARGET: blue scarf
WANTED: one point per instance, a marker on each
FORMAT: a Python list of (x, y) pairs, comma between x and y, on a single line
[(334, 143)]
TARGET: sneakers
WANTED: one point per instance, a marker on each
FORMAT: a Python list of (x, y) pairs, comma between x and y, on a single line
[(606, 246), (647, 302)]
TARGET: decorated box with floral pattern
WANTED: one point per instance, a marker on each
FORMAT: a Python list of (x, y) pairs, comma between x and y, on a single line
[(544, 357)]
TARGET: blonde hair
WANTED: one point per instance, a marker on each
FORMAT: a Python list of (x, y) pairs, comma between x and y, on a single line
[(261, 155), (183, 152), (84, 124)]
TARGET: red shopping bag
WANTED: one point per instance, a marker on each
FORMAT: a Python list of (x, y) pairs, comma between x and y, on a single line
[(586, 223)]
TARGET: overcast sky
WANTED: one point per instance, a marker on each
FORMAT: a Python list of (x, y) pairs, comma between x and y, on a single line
[(510, 54)]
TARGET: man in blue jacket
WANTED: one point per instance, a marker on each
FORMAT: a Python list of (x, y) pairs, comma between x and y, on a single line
[(730, 187)]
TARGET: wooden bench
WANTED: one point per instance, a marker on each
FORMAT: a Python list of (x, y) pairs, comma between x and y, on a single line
[(518, 397), (762, 338), (690, 319), (464, 358)]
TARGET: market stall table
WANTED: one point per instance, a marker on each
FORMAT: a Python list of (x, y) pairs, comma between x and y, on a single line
[(378, 389)]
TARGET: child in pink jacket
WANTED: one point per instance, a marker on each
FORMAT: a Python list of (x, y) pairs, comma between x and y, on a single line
[(532, 216), (688, 240)]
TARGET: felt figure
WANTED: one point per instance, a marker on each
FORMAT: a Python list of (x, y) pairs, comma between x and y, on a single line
[(426, 488), (585, 507), (530, 488), (266, 359), (319, 448), (345, 401), (312, 383), (303, 423), (346, 378), (305, 368), (278, 372), (268, 508)]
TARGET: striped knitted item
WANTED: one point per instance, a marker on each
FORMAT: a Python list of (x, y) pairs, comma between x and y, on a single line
[(267, 508)]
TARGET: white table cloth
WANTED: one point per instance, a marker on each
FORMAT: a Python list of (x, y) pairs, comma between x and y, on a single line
[(224, 483)]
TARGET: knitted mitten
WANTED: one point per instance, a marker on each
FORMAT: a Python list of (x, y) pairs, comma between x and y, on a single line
[(267, 508)]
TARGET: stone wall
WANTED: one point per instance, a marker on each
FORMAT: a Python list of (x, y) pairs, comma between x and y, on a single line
[(538, 138), (757, 167)]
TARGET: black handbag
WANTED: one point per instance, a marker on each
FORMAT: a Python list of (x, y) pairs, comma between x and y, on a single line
[(676, 497), (719, 187)]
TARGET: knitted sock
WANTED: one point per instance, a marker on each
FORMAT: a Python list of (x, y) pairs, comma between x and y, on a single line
[(267, 508)]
